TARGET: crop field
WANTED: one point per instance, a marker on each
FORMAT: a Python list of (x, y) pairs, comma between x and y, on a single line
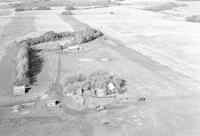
[(165, 38), (44, 23)]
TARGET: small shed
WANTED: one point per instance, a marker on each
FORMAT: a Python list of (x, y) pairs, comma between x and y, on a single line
[(69, 94), (70, 48), (52, 103), (20, 90), (74, 47)]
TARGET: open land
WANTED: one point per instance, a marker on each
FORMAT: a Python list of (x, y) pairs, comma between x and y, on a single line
[(156, 52)]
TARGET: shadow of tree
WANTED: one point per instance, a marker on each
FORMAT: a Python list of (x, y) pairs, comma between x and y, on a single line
[(35, 65)]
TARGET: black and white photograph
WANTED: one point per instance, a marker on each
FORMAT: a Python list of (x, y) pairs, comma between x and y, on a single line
[(99, 67)]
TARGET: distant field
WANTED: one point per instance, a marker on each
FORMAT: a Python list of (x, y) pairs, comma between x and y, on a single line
[(6, 16), (50, 22), (165, 6), (172, 43), (188, 0), (60, 3)]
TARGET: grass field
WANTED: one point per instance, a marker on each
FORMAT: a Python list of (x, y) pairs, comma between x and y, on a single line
[(44, 23), (156, 35)]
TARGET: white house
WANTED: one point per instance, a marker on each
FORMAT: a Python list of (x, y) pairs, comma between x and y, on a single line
[(111, 86)]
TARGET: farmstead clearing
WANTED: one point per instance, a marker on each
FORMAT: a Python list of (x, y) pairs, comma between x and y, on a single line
[(99, 68)]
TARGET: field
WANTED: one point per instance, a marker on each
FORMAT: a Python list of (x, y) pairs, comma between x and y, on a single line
[(164, 37), (155, 54), (44, 23)]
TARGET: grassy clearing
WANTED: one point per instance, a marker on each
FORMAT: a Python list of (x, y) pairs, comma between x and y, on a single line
[(165, 6), (5, 13), (193, 18)]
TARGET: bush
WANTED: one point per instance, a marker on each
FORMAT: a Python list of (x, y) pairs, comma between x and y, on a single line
[(65, 34), (77, 37), (86, 35), (120, 84), (74, 79), (48, 36), (67, 13), (193, 18), (165, 6), (19, 9), (43, 8), (70, 8)]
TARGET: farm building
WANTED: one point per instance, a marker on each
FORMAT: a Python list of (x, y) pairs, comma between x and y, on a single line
[(20, 90), (70, 48), (52, 103)]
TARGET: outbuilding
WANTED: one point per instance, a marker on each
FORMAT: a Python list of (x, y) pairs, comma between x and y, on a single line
[(20, 90), (70, 48), (52, 103), (76, 47)]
